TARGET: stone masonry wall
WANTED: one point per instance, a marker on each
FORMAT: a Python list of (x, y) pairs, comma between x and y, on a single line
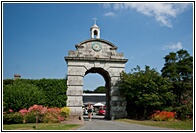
[(106, 60)]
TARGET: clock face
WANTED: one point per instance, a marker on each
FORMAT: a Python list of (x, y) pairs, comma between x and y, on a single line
[(96, 46)]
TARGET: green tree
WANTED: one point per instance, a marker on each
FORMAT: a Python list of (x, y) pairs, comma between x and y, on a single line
[(48, 92), (178, 68), (145, 91), (87, 91), (21, 95), (100, 89)]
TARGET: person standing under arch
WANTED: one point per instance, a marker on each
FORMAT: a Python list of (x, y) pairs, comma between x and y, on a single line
[(90, 111)]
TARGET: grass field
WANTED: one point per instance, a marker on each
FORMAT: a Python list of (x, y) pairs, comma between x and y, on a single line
[(41, 126), (177, 125)]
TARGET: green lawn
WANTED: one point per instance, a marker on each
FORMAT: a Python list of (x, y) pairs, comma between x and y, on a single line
[(41, 126), (177, 125)]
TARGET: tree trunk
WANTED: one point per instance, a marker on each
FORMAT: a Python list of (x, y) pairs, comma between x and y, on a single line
[(36, 120)]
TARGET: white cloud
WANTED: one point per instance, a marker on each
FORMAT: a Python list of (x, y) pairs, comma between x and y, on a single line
[(106, 5), (109, 14), (119, 6), (162, 12), (176, 46)]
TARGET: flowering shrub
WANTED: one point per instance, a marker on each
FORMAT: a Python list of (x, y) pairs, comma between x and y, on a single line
[(163, 116), (39, 113), (65, 111), (38, 108), (11, 111), (23, 111), (52, 116), (44, 114)]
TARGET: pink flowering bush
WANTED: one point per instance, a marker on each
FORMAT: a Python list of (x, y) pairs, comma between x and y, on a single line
[(38, 108), (23, 111), (11, 111), (36, 114), (42, 114), (33, 114), (53, 115)]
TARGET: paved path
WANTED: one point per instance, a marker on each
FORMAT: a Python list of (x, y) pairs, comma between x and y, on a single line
[(99, 123)]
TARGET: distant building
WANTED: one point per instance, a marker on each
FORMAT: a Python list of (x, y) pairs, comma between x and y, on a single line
[(17, 76), (94, 98)]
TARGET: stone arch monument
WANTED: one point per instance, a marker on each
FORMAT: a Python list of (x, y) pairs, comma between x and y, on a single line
[(95, 55)]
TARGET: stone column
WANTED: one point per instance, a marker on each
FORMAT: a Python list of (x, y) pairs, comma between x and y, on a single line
[(117, 102), (75, 91)]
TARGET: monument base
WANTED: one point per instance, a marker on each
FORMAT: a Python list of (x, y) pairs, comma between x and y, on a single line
[(75, 117)]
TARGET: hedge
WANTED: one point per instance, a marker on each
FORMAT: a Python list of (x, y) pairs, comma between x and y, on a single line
[(23, 93)]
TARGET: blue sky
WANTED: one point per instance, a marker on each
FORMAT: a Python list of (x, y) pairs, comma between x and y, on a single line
[(37, 36)]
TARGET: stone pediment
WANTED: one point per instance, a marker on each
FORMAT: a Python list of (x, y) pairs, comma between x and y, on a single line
[(97, 40), (96, 48)]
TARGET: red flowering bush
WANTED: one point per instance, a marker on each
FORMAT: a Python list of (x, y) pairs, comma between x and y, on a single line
[(163, 116)]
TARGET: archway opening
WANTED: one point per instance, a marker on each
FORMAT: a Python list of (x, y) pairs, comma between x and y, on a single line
[(91, 82), (107, 85)]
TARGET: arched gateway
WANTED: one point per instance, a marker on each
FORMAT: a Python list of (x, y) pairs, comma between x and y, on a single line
[(95, 55)]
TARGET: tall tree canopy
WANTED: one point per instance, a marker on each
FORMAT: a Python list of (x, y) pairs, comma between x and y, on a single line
[(145, 91), (178, 68)]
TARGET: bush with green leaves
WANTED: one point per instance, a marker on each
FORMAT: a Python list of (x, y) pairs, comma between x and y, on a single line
[(145, 91), (12, 118), (30, 117), (23, 93), (54, 91)]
